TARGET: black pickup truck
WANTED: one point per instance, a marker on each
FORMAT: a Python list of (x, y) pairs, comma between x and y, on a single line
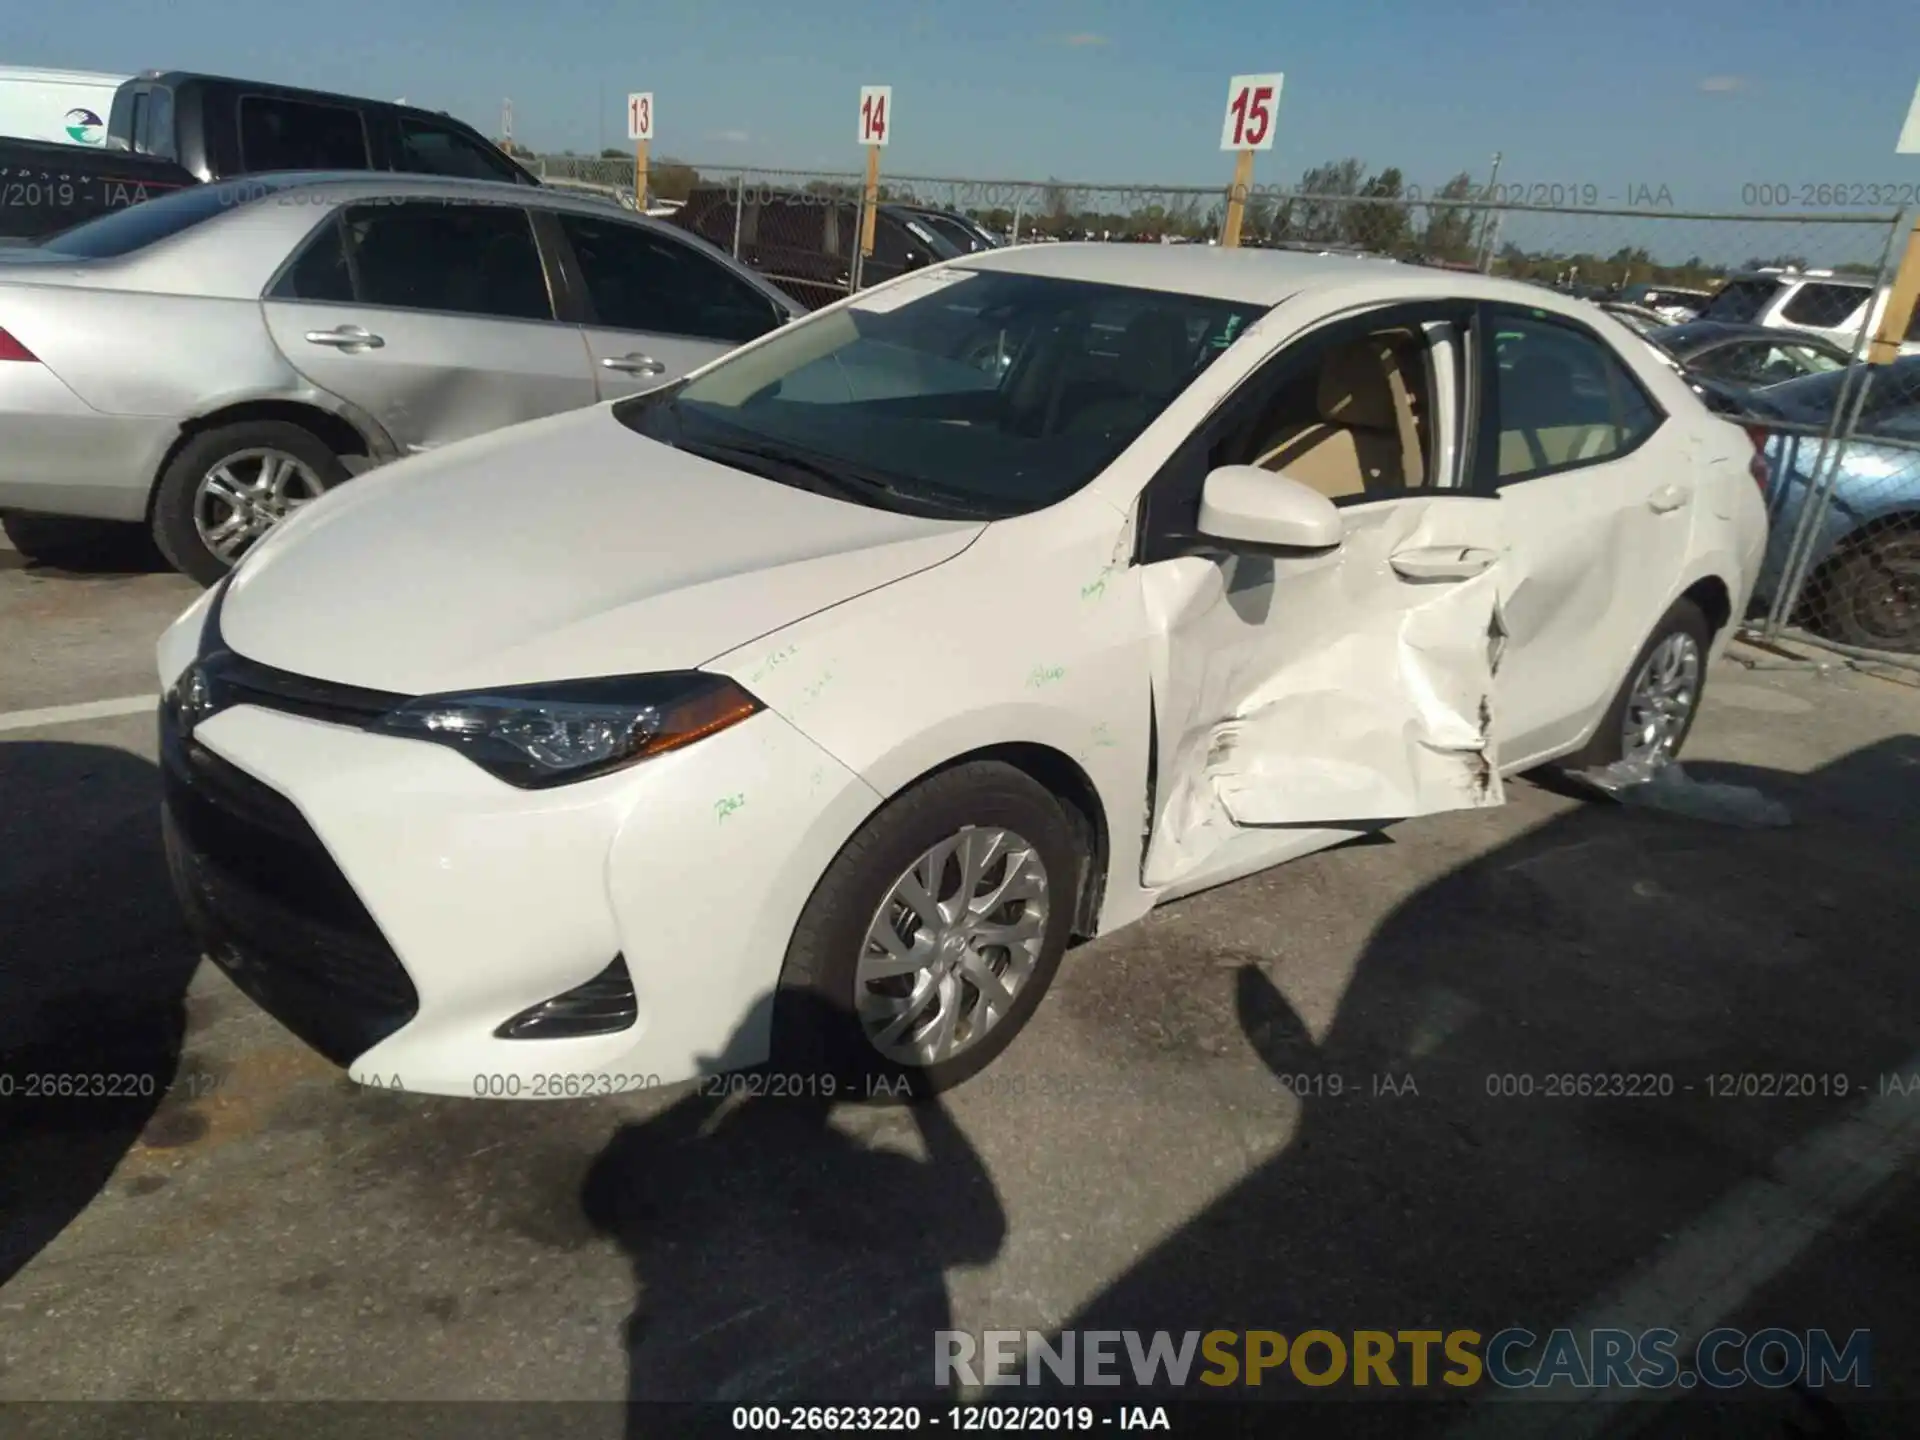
[(172, 128)]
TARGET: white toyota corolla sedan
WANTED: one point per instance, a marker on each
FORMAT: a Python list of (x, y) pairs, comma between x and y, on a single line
[(812, 706)]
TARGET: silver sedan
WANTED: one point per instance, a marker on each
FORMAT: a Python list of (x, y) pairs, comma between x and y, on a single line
[(206, 362)]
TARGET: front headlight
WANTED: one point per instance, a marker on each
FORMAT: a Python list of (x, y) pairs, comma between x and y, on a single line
[(539, 735)]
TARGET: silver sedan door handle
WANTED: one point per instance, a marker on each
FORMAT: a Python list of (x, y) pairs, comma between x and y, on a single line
[(634, 365), (1668, 497), (346, 337), (1442, 562)]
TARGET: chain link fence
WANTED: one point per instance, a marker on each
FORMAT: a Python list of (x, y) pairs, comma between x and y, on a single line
[(1842, 439)]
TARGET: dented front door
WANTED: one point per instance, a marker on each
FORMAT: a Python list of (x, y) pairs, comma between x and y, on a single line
[(1353, 685)]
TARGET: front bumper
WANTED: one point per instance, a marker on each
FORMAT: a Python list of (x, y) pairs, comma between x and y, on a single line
[(392, 904)]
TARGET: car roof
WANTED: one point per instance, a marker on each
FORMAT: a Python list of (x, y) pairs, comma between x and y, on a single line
[(346, 186), (1247, 275)]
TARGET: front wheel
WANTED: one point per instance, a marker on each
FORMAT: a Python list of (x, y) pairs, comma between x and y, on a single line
[(227, 487), (1654, 711), (932, 937)]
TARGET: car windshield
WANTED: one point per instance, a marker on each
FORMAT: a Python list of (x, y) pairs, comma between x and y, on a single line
[(123, 231), (954, 391)]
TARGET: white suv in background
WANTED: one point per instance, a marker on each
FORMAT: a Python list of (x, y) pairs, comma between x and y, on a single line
[(1836, 306)]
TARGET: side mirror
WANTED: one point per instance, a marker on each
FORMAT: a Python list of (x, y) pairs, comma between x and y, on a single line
[(1248, 505)]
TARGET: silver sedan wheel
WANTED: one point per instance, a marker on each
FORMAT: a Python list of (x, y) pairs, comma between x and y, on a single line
[(246, 495), (1661, 701), (952, 945)]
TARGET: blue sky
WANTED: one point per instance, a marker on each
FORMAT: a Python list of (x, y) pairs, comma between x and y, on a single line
[(1700, 97)]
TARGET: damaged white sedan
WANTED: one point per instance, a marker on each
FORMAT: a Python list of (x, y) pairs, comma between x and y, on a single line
[(811, 706)]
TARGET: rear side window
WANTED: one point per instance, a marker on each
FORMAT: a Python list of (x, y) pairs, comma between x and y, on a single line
[(278, 134), (638, 280), (450, 258), (1563, 400), (427, 149), (1823, 306), (1740, 301)]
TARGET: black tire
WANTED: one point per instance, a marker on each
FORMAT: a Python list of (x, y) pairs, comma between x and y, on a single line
[(1870, 596), (1606, 748), (84, 544), (815, 1030), (173, 500)]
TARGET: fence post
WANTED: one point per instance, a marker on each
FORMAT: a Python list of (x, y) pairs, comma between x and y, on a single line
[(1018, 206), (1848, 404), (739, 210)]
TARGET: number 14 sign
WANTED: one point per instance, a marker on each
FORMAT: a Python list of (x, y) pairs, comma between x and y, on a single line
[(1251, 101), (876, 113)]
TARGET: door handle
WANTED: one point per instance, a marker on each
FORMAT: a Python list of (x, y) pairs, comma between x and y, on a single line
[(345, 337), (633, 365), (1442, 562), (1668, 497)]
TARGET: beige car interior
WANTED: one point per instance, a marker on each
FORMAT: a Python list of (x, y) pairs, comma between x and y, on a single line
[(1360, 425)]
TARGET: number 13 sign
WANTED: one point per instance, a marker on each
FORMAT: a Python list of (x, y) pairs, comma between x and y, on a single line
[(1251, 101), (876, 113)]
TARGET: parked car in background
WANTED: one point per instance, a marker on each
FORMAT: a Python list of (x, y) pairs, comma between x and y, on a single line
[(46, 187), (178, 128), (1749, 356), (1637, 318), (62, 107), (967, 236), (210, 361), (1837, 307), (598, 748), (1863, 574), (805, 243), (1675, 304)]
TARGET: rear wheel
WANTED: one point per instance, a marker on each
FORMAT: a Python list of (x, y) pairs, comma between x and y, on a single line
[(1653, 713), (1870, 596), (932, 937), (227, 487)]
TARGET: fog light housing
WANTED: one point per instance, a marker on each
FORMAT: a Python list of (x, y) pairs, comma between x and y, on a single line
[(603, 1005)]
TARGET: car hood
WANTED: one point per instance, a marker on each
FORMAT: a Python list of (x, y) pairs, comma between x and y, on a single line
[(557, 549)]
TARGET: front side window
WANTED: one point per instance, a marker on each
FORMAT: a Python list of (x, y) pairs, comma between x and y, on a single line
[(638, 280), (429, 255), (977, 392), (278, 134), (427, 149), (1562, 399)]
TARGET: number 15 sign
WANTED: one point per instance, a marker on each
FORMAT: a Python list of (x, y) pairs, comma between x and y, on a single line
[(1251, 102)]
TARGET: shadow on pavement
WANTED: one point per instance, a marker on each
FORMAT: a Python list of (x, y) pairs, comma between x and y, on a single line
[(55, 546), (780, 1258), (1609, 942), (94, 966)]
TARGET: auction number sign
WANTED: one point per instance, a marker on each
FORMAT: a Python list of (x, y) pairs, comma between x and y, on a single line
[(640, 116), (1251, 101), (876, 113)]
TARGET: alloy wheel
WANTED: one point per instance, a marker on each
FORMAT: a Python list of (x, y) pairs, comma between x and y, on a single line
[(1662, 701), (952, 945), (246, 495)]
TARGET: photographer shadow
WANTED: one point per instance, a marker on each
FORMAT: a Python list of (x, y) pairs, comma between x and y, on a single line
[(94, 968), (781, 1258)]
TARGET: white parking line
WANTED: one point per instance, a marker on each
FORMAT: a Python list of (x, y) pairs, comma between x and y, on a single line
[(1707, 1271), (86, 710)]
